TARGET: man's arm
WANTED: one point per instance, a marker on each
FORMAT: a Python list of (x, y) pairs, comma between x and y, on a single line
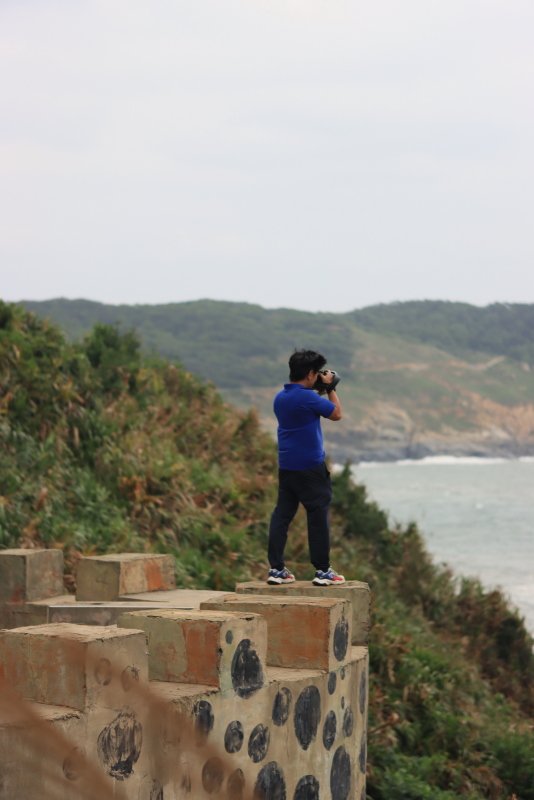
[(336, 413), (327, 377)]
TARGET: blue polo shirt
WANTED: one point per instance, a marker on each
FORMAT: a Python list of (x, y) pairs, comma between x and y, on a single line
[(300, 438)]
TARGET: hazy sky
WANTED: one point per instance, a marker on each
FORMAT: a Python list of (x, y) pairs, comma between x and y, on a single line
[(311, 154)]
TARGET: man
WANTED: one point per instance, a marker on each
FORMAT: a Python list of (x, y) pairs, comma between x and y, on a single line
[(303, 476)]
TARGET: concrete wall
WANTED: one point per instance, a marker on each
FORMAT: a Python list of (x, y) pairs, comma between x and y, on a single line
[(192, 695)]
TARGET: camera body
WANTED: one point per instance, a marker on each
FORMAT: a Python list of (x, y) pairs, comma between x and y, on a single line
[(324, 388)]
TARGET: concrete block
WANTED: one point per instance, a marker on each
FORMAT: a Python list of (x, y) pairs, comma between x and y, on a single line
[(221, 649), (302, 632), (175, 598), (301, 731), (78, 755), (97, 613), (116, 742), (108, 577), (65, 608), (35, 613), (317, 728), (72, 665), (27, 575), (357, 592), (360, 673), (233, 725), (36, 761)]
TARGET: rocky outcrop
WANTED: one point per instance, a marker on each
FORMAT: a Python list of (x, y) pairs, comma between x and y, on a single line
[(388, 433)]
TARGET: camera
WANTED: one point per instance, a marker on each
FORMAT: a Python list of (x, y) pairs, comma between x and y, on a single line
[(324, 388)]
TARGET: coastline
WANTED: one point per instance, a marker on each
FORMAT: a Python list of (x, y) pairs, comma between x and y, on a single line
[(343, 452), (436, 460)]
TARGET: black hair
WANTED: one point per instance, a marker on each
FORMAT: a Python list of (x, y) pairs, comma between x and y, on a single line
[(302, 361)]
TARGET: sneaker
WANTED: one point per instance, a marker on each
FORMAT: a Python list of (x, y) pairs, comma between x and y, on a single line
[(328, 578), (277, 576)]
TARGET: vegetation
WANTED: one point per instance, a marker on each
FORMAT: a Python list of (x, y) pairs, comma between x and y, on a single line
[(104, 450), (256, 338), (227, 343), (101, 451), (417, 377), (502, 328)]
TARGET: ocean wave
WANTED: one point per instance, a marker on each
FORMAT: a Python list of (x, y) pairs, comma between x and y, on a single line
[(440, 461)]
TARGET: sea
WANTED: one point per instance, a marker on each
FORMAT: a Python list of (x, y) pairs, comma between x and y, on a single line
[(476, 515)]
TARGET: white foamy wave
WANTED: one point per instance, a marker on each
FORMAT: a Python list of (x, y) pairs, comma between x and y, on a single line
[(435, 461), (524, 591), (527, 459)]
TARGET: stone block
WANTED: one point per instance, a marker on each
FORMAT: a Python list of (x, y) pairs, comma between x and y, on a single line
[(115, 741), (357, 592), (301, 731), (302, 632), (72, 665), (317, 728), (36, 762), (98, 613), (65, 608), (221, 649), (35, 613), (27, 575), (175, 598), (108, 577)]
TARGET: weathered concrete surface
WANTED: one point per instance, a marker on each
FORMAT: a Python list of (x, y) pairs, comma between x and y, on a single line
[(216, 649), (110, 576), (69, 665), (94, 672), (176, 598), (239, 724), (99, 613), (99, 575), (302, 735), (27, 575), (65, 608), (308, 632), (357, 592), (18, 615), (31, 762)]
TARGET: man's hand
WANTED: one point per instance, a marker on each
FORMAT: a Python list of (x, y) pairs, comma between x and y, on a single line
[(329, 380), (327, 376)]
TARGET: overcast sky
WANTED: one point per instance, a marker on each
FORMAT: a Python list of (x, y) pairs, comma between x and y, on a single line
[(301, 153)]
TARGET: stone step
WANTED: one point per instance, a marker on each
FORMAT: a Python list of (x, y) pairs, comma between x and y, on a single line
[(69, 665), (221, 649), (27, 575), (302, 632), (175, 598), (357, 592), (108, 577)]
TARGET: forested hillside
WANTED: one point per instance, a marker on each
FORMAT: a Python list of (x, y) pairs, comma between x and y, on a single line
[(104, 450), (505, 329), (231, 344), (417, 378)]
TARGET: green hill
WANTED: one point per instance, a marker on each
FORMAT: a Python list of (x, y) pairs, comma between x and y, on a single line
[(505, 329), (106, 450), (418, 378)]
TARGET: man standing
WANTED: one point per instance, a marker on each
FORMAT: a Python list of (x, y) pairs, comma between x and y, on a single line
[(303, 476)]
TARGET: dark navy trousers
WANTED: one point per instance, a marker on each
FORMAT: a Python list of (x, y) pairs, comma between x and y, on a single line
[(312, 488)]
